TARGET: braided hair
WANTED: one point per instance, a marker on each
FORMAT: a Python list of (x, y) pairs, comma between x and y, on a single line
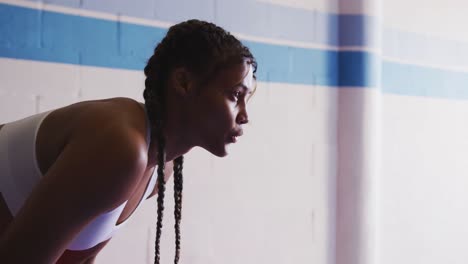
[(203, 49)]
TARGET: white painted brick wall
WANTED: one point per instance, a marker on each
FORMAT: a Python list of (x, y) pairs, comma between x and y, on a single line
[(98, 82), (423, 210), (15, 105), (445, 19), (422, 214)]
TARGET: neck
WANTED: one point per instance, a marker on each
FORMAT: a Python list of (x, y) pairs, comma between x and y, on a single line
[(177, 140), (175, 147)]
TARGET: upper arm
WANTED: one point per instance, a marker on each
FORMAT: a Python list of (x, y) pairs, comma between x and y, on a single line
[(92, 175)]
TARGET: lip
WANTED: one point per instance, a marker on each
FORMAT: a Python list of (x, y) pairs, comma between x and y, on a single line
[(233, 137)]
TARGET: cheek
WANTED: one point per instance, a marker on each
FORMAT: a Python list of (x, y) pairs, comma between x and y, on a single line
[(224, 114), (230, 110), (217, 113)]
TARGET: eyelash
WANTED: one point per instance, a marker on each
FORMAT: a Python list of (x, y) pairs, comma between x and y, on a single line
[(235, 95)]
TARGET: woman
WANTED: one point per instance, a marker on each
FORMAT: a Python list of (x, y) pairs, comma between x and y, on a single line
[(69, 178)]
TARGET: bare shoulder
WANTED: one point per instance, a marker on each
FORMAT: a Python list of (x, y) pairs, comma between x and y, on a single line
[(112, 136), (124, 111), (98, 168), (108, 136), (102, 131)]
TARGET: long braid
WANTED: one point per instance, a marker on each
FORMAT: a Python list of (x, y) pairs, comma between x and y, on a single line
[(178, 186), (155, 104), (161, 190)]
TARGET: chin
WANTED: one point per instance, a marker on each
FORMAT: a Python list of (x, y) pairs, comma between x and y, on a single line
[(219, 149), (218, 152)]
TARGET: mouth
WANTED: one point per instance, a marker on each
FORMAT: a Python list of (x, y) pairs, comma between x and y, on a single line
[(234, 137)]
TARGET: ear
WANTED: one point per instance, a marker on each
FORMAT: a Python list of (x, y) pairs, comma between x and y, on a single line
[(182, 81)]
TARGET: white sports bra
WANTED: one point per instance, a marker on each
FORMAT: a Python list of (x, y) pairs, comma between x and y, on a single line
[(19, 173)]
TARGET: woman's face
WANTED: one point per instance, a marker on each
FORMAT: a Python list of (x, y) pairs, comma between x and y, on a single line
[(220, 108)]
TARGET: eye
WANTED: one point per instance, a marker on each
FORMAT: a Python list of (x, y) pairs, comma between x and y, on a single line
[(235, 95)]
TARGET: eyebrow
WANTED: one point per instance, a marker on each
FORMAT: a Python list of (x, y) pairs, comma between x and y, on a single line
[(250, 91)]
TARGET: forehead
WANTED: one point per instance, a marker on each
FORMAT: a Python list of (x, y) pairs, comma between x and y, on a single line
[(239, 74)]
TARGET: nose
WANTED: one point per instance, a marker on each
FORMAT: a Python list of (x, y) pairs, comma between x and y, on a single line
[(242, 117)]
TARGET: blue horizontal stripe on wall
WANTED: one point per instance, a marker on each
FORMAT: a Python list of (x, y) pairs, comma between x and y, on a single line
[(415, 80), (56, 37), (95, 42), (250, 17), (275, 21)]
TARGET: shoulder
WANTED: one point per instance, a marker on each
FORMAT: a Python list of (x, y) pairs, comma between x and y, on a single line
[(98, 167), (110, 141)]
